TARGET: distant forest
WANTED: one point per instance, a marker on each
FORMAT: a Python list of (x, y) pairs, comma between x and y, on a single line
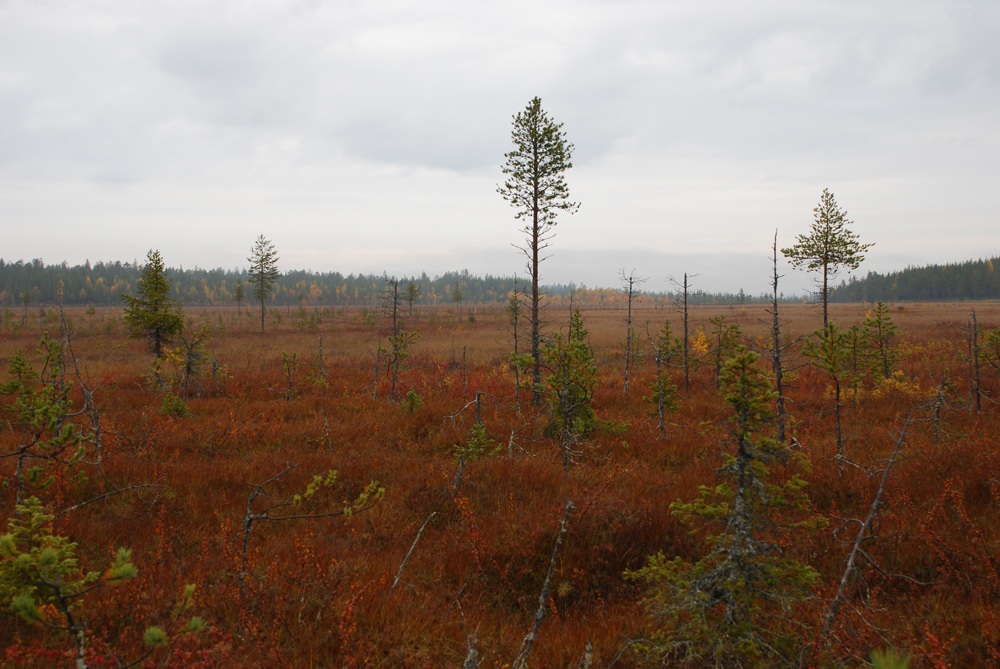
[(970, 280), (103, 283)]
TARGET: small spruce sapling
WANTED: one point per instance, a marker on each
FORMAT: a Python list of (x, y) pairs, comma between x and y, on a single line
[(709, 613), (571, 387), (519, 361), (725, 338), (290, 365), (854, 342), (412, 402), (829, 353), (153, 314), (663, 391), (991, 348), (479, 445), (880, 335), (400, 339)]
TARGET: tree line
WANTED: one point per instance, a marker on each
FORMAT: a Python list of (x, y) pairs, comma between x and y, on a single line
[(102, 284), (969, 280)]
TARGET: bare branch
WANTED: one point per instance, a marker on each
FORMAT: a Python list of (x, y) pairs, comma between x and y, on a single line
[(139, 486), (838, 599), (402, 565), (521, 661)]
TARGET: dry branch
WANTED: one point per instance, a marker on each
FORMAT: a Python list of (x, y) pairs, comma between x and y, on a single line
[(402, 565), (521, 661), (841, 595), (139, 486)]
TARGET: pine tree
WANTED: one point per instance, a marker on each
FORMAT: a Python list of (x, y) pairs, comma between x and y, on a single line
[(153, 314), (263, 271), (536, 187), (828, 247), (41, 411), (458, 296), (43, 583)]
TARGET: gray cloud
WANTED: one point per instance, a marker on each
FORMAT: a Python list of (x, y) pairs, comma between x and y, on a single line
[(723, 116)]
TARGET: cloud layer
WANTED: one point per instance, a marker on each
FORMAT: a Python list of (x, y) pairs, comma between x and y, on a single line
[(368, 136)]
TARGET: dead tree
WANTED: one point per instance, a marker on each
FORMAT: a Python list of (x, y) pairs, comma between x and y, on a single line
[(630, 282), (975, 391), (514, 308), (778, 350), (413, 546), (686, 350), (89, 404), (400, 339)]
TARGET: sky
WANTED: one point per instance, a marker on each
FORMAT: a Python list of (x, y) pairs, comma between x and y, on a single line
[(368, 136)]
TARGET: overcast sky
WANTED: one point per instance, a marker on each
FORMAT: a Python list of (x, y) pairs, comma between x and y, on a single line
[(368, 136)]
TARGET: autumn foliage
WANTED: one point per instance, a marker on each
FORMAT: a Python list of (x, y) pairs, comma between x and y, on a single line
[(302, 573)]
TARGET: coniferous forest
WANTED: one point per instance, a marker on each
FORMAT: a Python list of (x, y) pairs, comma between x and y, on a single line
[(970, 280)]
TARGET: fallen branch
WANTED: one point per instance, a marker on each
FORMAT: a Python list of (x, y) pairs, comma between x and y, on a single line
[(842, 588), (514, 432), (402, 565), (624, 649), (521, 661), (109, 494)]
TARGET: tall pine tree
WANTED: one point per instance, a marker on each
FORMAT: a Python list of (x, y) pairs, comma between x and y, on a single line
[(535, 186)]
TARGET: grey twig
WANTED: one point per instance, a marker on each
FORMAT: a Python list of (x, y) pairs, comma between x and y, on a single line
[(402, 565), (841, 595), (521, 661)]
